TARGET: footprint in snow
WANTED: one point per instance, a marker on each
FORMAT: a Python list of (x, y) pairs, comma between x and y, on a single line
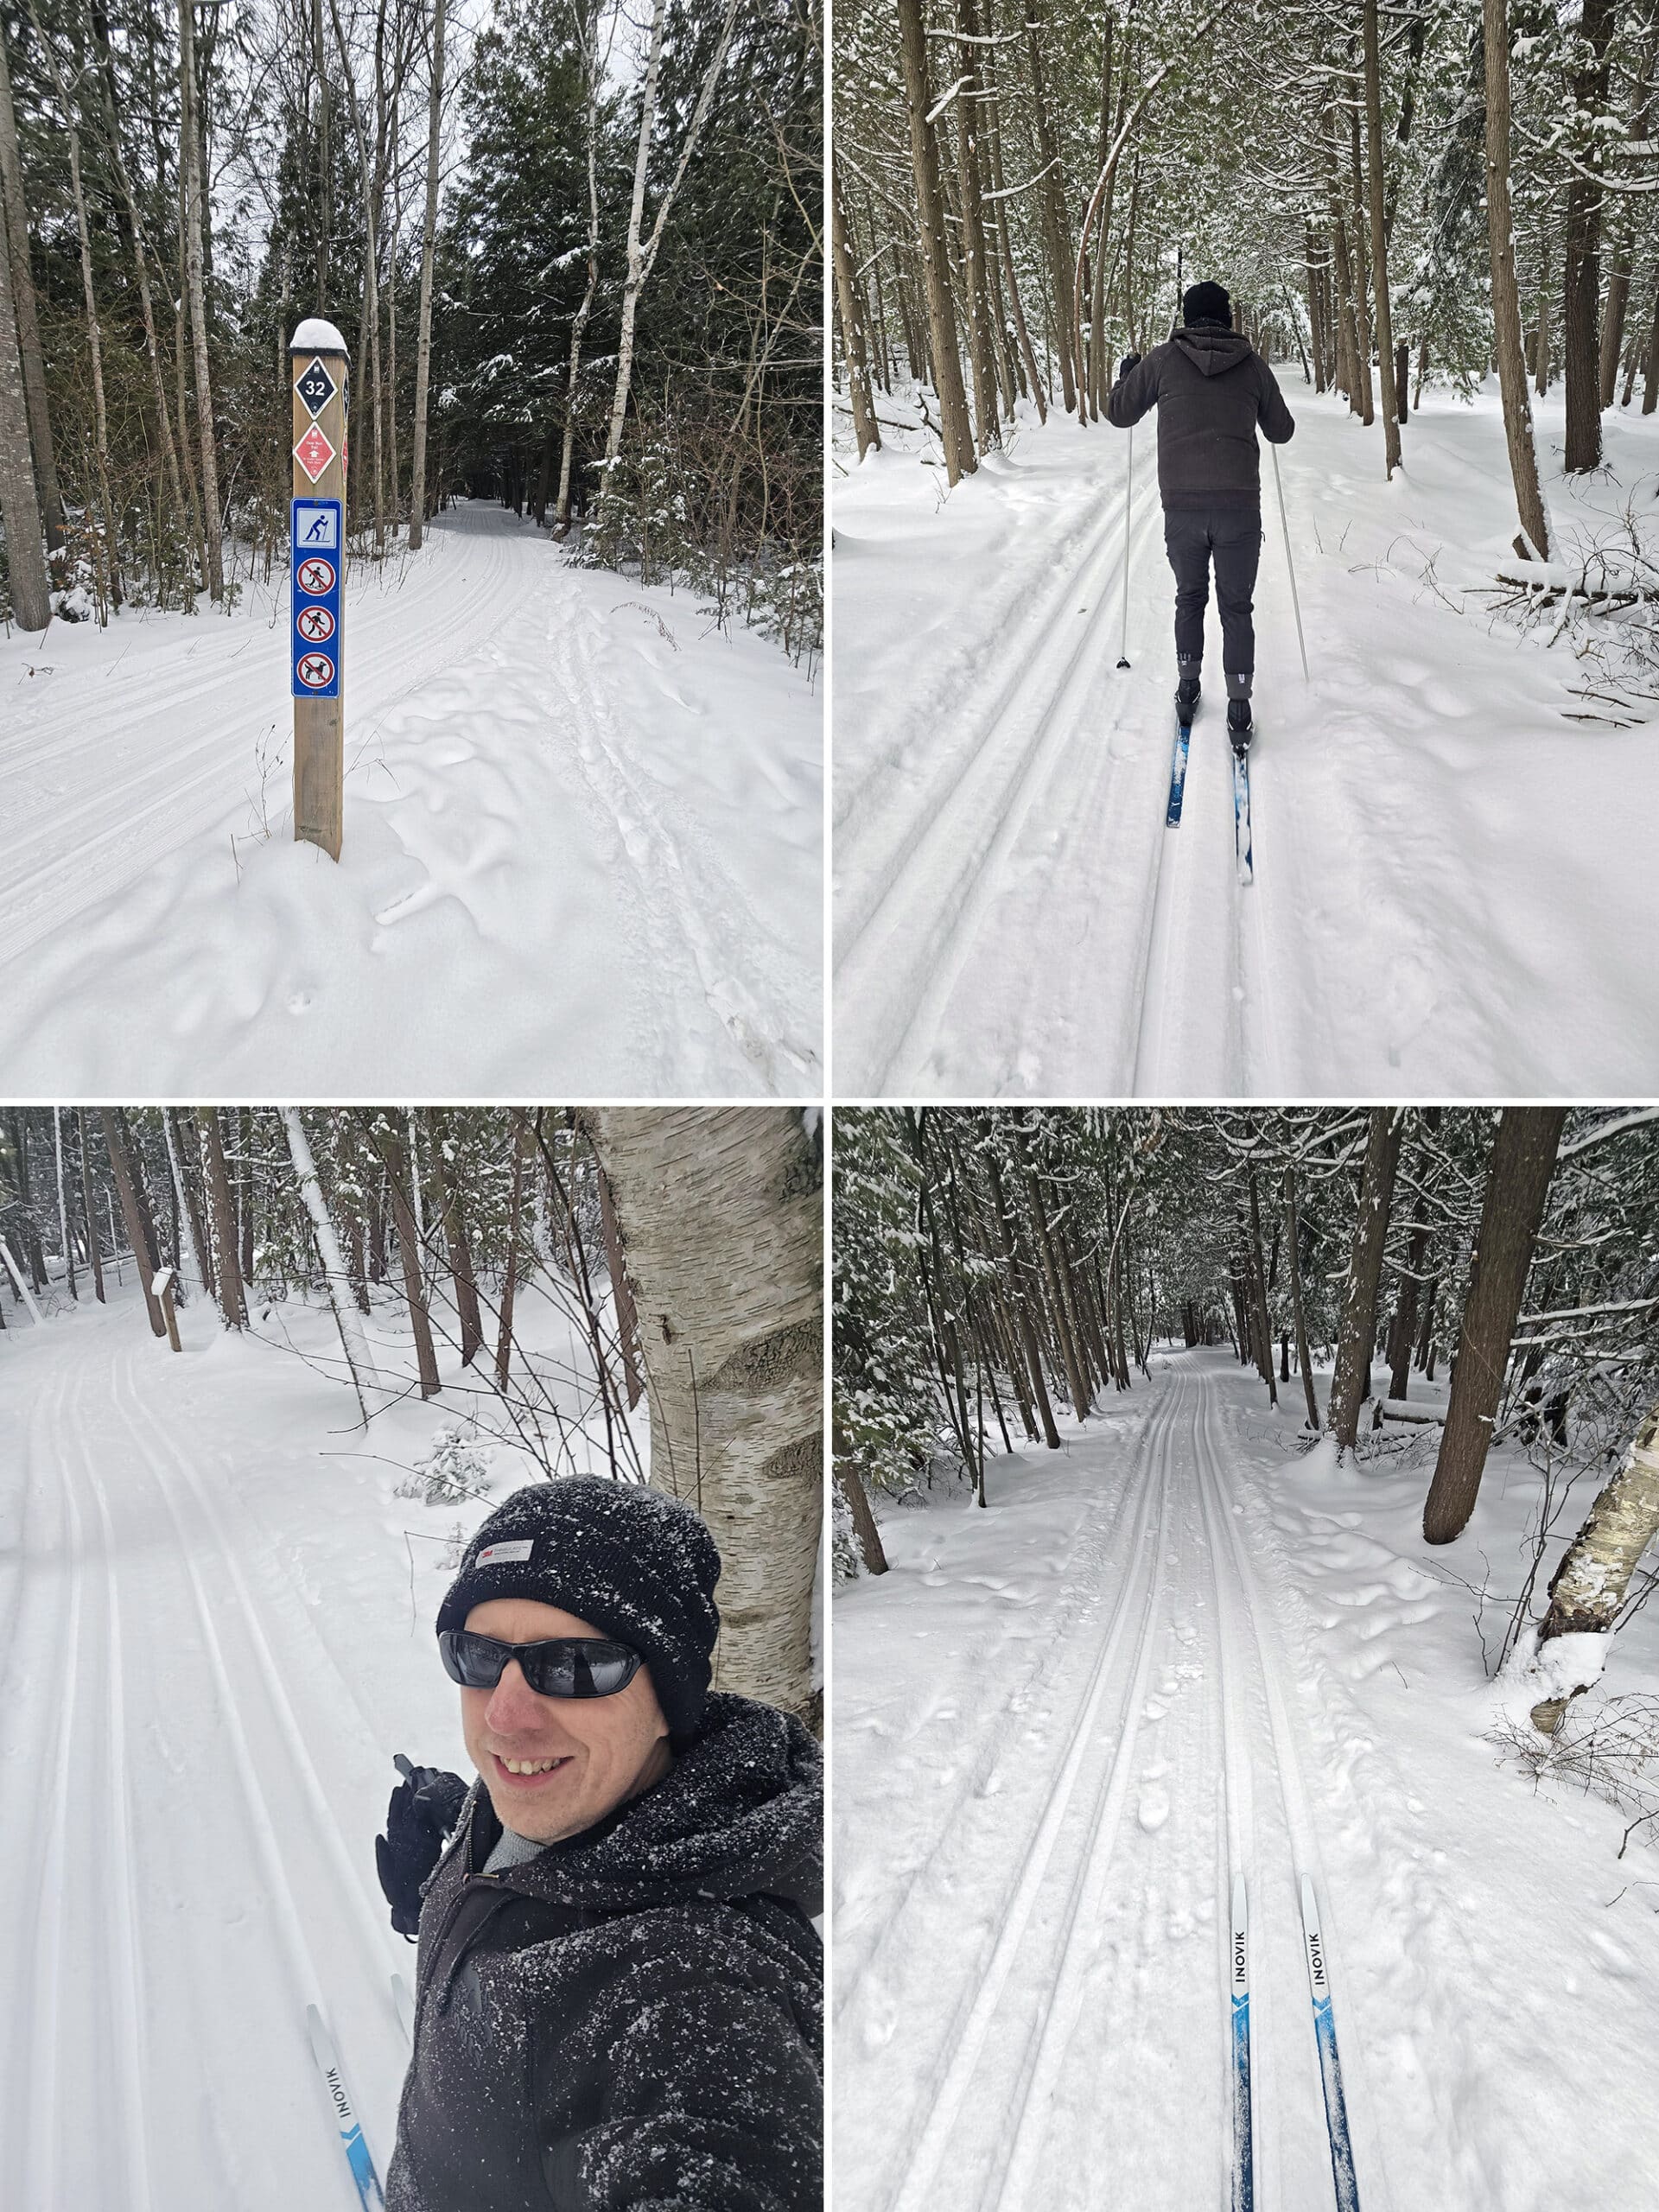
[(1153, 1809)]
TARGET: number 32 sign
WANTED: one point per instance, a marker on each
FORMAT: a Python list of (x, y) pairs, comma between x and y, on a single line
[(314, 634)]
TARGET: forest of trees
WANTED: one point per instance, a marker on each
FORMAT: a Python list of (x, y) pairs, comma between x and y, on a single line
[(572, 251), (996, 1267), (682, 1247), (1421, 191)]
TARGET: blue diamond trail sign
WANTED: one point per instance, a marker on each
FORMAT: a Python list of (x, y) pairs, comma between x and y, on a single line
[(313, 629)]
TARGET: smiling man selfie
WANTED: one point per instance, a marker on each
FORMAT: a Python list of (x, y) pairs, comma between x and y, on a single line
[(618, 1983)]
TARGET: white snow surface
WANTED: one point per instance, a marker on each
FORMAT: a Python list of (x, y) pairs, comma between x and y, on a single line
[(214, 1634), (581, 857), (315, 335), (1453, 883), (1175, 1649)]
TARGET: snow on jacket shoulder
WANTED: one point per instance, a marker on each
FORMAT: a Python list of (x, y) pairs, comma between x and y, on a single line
[(632, 2021), (1212, 389)]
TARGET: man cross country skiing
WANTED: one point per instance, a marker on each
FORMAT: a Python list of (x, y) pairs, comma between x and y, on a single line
[(619, 2000), (1212, 389)]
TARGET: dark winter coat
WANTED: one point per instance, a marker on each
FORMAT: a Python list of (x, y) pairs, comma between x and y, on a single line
[(631, 2021), (1211, 388)]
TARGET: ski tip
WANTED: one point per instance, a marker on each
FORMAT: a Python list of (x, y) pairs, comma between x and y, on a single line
[(1310, 1908)]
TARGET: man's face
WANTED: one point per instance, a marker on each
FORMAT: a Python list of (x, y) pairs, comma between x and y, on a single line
[(606, 1750)]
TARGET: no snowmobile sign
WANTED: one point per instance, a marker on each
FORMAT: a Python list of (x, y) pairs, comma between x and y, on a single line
[(313, 636)]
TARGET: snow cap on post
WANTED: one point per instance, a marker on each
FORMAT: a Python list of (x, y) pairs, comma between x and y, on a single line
[(314, 335), (640, 1565)]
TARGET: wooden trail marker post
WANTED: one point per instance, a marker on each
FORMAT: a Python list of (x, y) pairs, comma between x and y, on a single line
[(317, 363)]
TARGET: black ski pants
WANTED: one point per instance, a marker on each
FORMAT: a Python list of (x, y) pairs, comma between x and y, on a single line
[(1229, 532)]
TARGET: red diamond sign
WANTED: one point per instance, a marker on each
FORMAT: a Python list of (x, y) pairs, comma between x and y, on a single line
[(313, 453)]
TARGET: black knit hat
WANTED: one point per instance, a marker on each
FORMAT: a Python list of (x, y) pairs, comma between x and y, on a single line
[(637, 1564), (1207, 302)]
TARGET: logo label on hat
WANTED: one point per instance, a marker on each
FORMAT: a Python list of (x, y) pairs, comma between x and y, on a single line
[(495, 1554)]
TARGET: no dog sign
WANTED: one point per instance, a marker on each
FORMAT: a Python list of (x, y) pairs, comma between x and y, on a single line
[(313, 635)]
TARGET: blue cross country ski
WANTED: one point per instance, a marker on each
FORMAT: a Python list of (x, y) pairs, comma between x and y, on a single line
[(1324, 2034), (351, 2134), (1177, 774), (1241, 841), (1239, 1975)]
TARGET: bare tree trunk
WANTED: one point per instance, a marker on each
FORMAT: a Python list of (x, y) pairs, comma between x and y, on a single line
[(509, 1276), (424, 337), (31, 603), (388, 1143), (960, 459), (627, 1328), (1259, 1297), (588, 33), (1506, 304), (1292, 1247), (1022, 1305), (1392, 405), (851, 307), (456, 1242), (191, 137), (1588, 1587), (850, 1482), (969, 190), (227, 1273), (1580, 352), (1517, 1185), (1362, 256), (354, 1343), (135, 1214), (17, 279), (1350, 1384), (94, 1256), (721, 1216)]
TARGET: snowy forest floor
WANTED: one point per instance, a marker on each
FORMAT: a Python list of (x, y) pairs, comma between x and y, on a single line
[(1452, 879), (1048, 1719), (214, 1634), (583, 848)]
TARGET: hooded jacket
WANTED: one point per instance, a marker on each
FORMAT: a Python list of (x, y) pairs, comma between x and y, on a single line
[(632, 2021), (1211, 388)]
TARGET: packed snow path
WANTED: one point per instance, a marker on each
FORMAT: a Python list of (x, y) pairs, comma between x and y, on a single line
[(582, 851), (1450, 877), (207, 1661), (1059, 1720)]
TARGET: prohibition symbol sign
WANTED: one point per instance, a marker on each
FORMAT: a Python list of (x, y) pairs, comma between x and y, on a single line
[(315, 670), (316, 578), (315, 625)]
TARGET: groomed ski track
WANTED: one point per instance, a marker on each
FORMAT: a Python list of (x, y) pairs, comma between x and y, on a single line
[(583, 841), (182, 1881), (1047, 1938), (1431, 836)]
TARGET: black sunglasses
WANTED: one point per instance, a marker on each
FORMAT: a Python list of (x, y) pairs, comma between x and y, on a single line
[(564, 1665)]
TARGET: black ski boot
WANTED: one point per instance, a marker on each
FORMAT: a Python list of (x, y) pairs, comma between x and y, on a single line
[(1187, 699), (1238, 724)]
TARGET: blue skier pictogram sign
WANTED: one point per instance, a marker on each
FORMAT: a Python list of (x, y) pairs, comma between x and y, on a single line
[(314, 527)]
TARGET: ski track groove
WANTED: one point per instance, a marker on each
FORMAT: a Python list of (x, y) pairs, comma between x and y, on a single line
[(1303, 1836), (1090, 1881), (176, 800), (131, 2040), (327, 1824), (671, 894), (873, 1943), (975, 806), (965, 2038)]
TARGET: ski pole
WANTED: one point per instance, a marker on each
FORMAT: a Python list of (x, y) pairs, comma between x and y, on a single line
[(1295, 602), (1128, 495)]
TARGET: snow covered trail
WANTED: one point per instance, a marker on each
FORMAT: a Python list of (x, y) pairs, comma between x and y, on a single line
[(1444, 899), (1056, 1724), (207, 1661), (581, 854)]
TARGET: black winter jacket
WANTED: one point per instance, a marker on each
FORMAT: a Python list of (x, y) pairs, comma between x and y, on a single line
[(1211, 388), (632, 2021)]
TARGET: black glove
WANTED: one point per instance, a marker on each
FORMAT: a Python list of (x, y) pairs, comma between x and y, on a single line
[(424, 1809), (1130, 361)]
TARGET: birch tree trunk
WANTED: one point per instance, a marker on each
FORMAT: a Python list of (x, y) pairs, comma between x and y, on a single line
[(1350, 1384), (720, 1211), (347, 1320), (191, 159), (16, 277), (1589, 1585), (423, 334), (642, 255), (1506, 300), (1517, 1184)]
